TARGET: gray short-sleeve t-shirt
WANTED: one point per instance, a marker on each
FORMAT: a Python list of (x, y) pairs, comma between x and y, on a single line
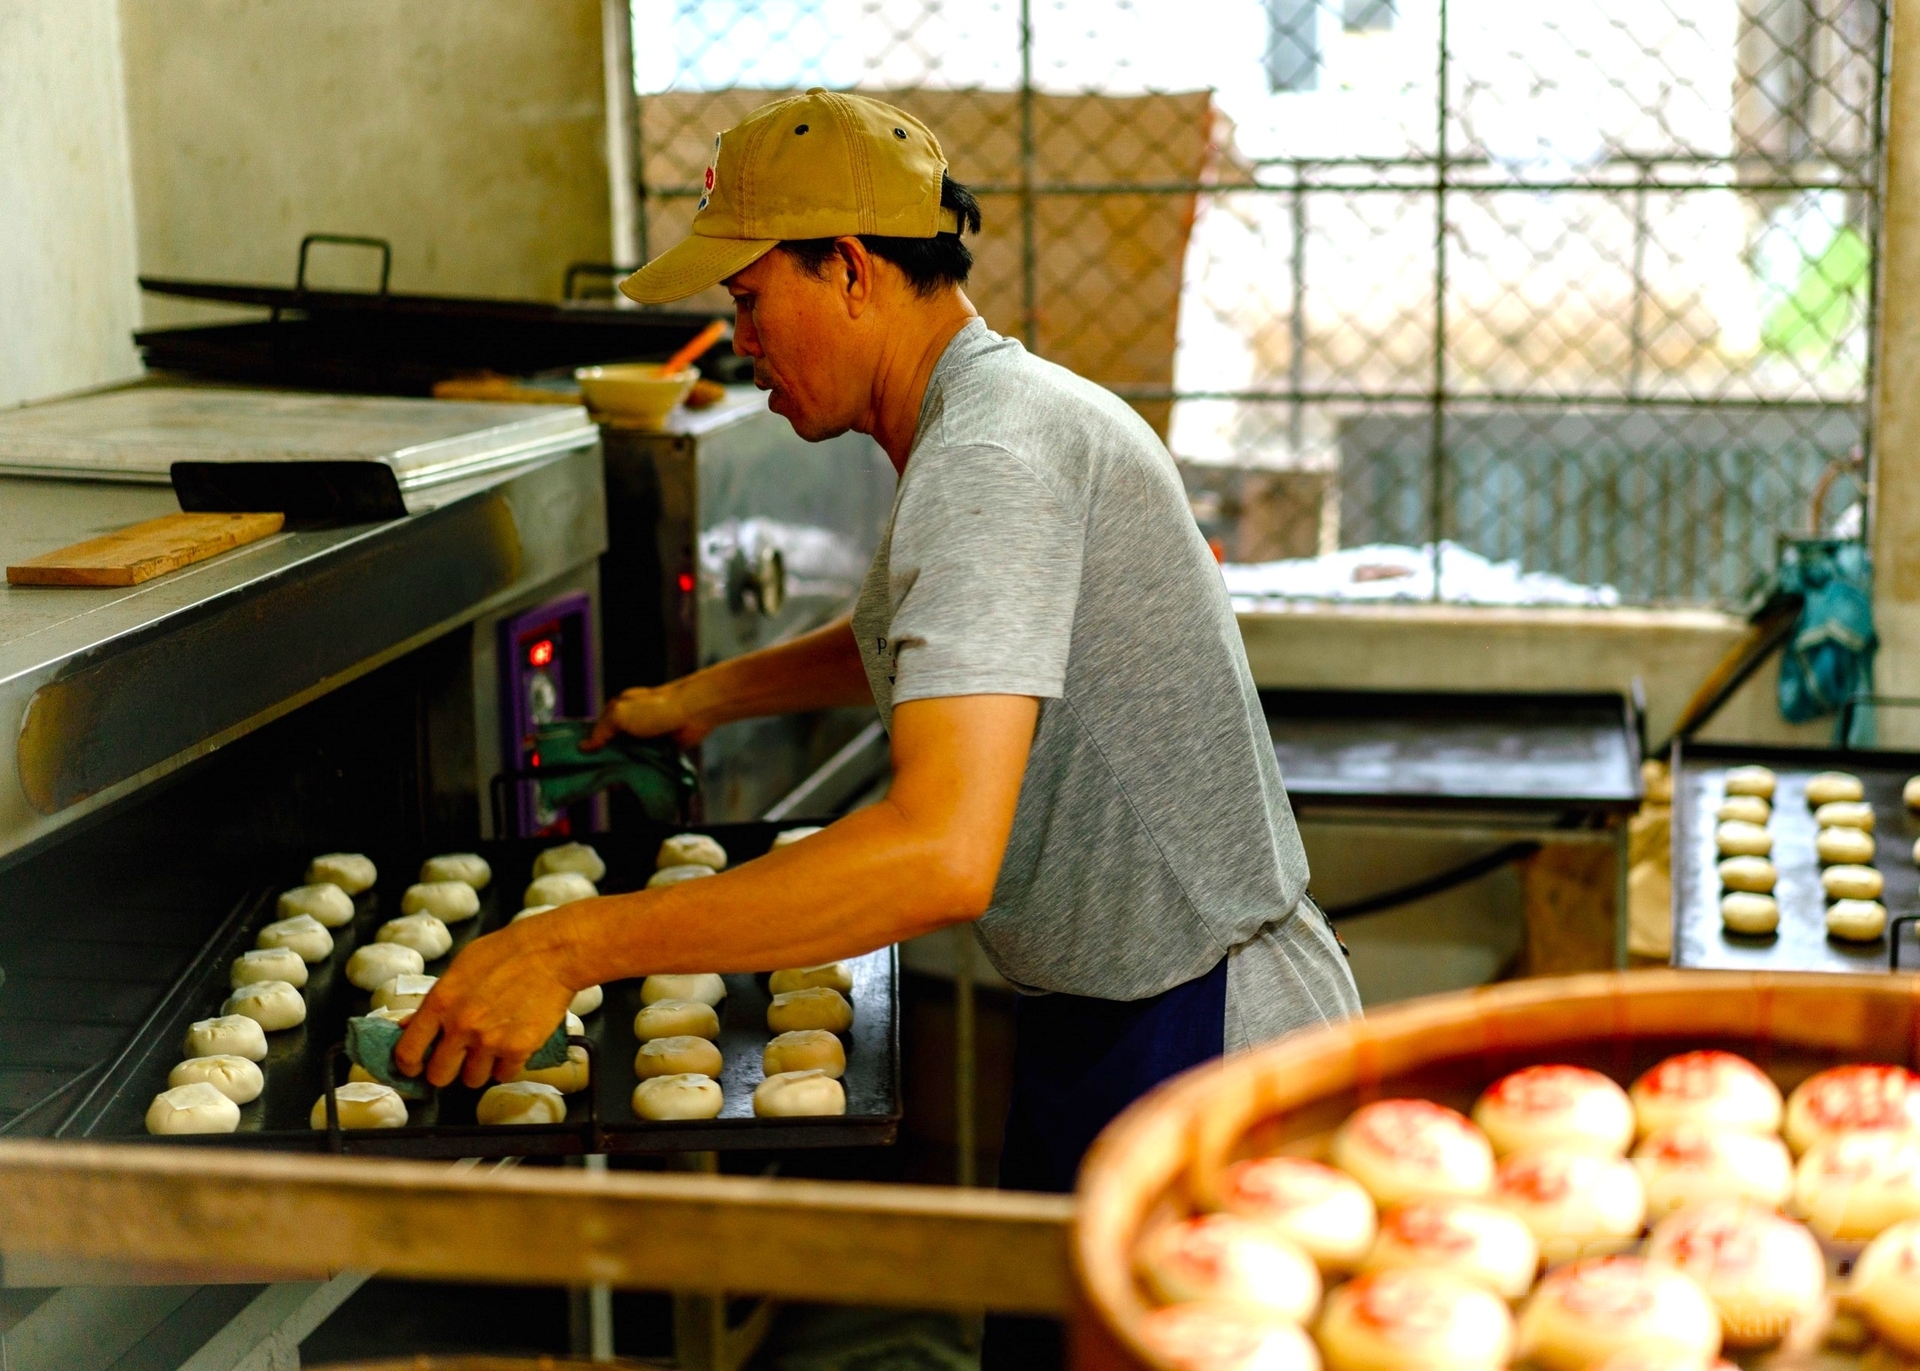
[(1041, 544)]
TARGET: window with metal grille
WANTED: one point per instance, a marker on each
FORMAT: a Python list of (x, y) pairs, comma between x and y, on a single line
[(1474, 300)]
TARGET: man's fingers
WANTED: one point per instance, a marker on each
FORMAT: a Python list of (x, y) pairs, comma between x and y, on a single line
[(603, 729), (447, 1057), (415, 1039), (479, 1068)]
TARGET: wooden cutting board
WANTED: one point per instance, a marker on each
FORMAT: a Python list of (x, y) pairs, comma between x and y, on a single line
[(139, 552)]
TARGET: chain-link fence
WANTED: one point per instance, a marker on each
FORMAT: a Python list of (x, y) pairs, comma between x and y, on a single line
[(1484, 300)]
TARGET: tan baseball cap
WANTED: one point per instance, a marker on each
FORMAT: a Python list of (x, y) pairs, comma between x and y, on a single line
[(819, 165)]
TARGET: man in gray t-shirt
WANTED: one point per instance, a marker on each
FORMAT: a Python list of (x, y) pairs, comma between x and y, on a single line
[(1081, 768), (1041, 545)]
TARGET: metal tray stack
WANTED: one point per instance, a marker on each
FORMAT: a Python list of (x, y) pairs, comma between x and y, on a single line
[(599, 1120), (1801, 942)]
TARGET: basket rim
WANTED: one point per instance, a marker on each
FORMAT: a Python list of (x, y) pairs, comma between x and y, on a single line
[(1164, 1124)]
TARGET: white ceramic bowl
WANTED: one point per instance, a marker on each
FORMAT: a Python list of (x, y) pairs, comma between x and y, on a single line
[(636, 393)]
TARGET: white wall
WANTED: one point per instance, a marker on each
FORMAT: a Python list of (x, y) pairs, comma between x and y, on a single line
[(68, 302)]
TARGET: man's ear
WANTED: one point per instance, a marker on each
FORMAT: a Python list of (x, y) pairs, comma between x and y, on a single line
[(856, 267)]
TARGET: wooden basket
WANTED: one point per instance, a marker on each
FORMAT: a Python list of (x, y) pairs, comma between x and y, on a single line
[(1166, 1152)]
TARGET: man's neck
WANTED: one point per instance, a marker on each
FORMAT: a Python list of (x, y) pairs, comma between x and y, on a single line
[(901, 380)]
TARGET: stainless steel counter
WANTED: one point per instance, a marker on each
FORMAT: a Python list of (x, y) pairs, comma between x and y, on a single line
[(103, 691)]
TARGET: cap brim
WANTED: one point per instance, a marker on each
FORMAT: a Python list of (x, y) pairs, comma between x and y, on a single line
[(689, 267)]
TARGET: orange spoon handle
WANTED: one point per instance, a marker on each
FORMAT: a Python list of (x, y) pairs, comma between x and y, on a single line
[(702, 340)]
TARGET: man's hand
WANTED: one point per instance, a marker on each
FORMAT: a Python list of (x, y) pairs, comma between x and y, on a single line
[(496, 1006), (648, 712)]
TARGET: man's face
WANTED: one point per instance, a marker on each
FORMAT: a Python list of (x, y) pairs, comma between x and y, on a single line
[(804, 345)]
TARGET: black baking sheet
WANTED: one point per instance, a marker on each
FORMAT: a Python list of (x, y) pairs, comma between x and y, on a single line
[(115, 1109), (1546, 753), (1801, 942)]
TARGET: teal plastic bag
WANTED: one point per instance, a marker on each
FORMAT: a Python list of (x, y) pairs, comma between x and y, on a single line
[(1829, 658)]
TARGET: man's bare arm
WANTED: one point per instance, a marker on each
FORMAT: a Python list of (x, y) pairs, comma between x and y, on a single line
[(818, 670), (926, 856)]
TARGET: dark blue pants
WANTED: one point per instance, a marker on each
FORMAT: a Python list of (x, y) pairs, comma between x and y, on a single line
[(1078, 1062)]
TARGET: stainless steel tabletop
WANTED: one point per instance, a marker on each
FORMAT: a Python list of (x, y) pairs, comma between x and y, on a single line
[(104, 690)]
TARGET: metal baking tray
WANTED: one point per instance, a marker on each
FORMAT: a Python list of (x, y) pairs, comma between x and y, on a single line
[(1572, 756), (1801, 942), (598, 1120)]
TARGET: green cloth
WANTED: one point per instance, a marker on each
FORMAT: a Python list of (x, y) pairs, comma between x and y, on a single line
[(371, 1040), (654, 769)]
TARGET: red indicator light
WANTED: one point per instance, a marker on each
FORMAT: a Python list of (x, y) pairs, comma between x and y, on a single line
[(540, 653), (534, 760), (686, 583)]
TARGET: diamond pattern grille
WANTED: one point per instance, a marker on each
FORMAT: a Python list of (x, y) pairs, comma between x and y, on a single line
[(1584, 286)]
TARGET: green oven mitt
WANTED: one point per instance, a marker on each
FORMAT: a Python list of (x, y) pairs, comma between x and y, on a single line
[(371, 1040), (654, 769)]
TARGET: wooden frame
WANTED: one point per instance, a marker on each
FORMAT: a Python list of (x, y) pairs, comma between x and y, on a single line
[(227, 1215)]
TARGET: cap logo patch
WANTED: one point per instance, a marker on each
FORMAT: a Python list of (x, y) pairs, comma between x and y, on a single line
[(706, 185)]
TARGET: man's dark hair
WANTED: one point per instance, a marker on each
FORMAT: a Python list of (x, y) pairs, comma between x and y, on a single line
[(929, 263)]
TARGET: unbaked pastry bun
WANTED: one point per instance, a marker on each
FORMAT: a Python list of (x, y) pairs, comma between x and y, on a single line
[(1690, 1163), (1743, 809), (1851, 883), (1845, 814), (1843, 847), (326, 902), (1323, 1210), (1414, 1319), (350, 871), (1833, 787), (820, 1007), (579, 858), (239, 1079), (687, 1056), (558, 887), (403, 992), (274, 1005), (1856, 921), (517, 1103), (234, 1034), (1717, 1089), (1886, 1283), (362, 1104), (1744, 912), (1211, 1335), (451, 902), (268, 964), (1736, 839), (691, 849), (1470, 1238), (1555, 1106), (588, 1000), (1754, 874), (678, 1097), (704, 986), (569, 1078), (303, 933), (1408, 1149), (1610, 1306), (1847, 1099), (807, 1049), (1762, 1272), (787, 837), (676, 1019), (195, 1108), (470, 867), (674, 875), (796, 1093), (1852, 1186), (374, 964), (1225, 1257), (1578, 1204), (1750, 780), (533, 911), (426, 934), (833, 975)]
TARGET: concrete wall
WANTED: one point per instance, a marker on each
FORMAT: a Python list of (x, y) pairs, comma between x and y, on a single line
[(67, 296), (469, 135)]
